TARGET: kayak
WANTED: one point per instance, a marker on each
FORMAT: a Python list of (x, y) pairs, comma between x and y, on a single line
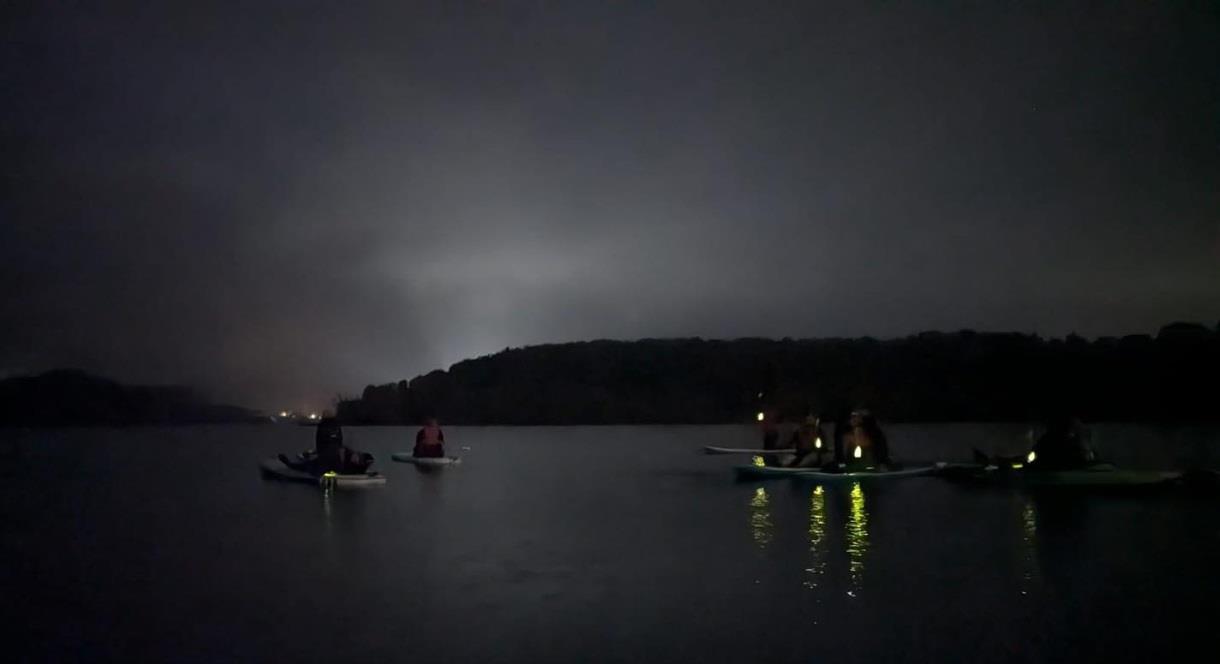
[(428, 462), (819, 475), (276, 469), (744, 450), (1100, 476)]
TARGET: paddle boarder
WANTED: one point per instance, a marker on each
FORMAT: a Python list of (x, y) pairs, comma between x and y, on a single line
[(429, 440)]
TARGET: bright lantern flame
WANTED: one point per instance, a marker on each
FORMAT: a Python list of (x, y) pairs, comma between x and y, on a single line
[(858, 453), (1031, 457), (817, 444), (760, 416)]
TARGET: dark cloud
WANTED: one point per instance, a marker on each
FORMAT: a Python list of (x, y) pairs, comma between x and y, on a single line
[(283, 201)]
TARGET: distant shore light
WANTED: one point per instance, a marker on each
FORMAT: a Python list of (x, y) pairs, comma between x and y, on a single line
[(760, 416), (283, 413)]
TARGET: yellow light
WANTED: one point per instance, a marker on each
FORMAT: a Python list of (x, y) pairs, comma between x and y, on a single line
[(817, 444), (758, 462), (330, 473), (859, 453), (1018, 466), (760, 416), (313, 416), (283, 413), (1031, 457)]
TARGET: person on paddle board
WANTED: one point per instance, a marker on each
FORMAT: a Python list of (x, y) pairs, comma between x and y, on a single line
[(332, 455), (807, 440), (429, 440), (861, 441), (328, 444), (329, 453), (1063, 445)]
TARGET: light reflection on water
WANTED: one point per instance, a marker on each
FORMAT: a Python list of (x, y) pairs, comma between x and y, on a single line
[(761, 526), (857, 538), (1029, 541), (817, 538)]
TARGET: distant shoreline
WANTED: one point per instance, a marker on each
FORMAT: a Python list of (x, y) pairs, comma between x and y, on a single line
[(927, 377), (931, 377)]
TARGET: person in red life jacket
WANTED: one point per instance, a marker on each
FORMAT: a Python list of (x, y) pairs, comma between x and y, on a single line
[(430, 440)]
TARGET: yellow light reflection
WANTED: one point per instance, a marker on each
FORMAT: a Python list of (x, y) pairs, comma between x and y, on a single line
[(1031, 457), (328, 517), (857, 537), (1029, 540), (758, 461), (760, 518), (817, 538)]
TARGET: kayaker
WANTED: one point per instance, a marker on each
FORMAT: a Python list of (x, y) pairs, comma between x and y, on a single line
[(1064, 445), (862, 441), (807, 440), (429, 440)]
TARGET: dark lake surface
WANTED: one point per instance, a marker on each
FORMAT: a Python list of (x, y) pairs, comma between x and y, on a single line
[(596, 544)]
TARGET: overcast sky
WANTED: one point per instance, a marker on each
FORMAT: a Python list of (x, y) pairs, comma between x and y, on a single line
[(278, 202)]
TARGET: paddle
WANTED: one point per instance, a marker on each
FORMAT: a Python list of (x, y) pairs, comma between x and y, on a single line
[(740, 450)]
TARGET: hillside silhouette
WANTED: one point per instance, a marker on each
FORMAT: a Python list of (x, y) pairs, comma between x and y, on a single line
[(932, 376), (68, 397)]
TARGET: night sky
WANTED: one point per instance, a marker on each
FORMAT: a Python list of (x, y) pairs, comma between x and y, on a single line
[(278, 202)]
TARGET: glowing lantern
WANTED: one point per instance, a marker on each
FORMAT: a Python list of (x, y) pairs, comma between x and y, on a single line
[(859, 453)]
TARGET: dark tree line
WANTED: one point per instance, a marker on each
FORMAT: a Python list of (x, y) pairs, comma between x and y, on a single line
[(67, 397), (931, 376)]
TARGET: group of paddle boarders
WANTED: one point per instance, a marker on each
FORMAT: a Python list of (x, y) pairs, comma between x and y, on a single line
[(330, 455), (859, 443)]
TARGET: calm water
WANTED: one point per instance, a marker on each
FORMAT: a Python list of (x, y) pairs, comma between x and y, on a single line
[(587, 544)]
